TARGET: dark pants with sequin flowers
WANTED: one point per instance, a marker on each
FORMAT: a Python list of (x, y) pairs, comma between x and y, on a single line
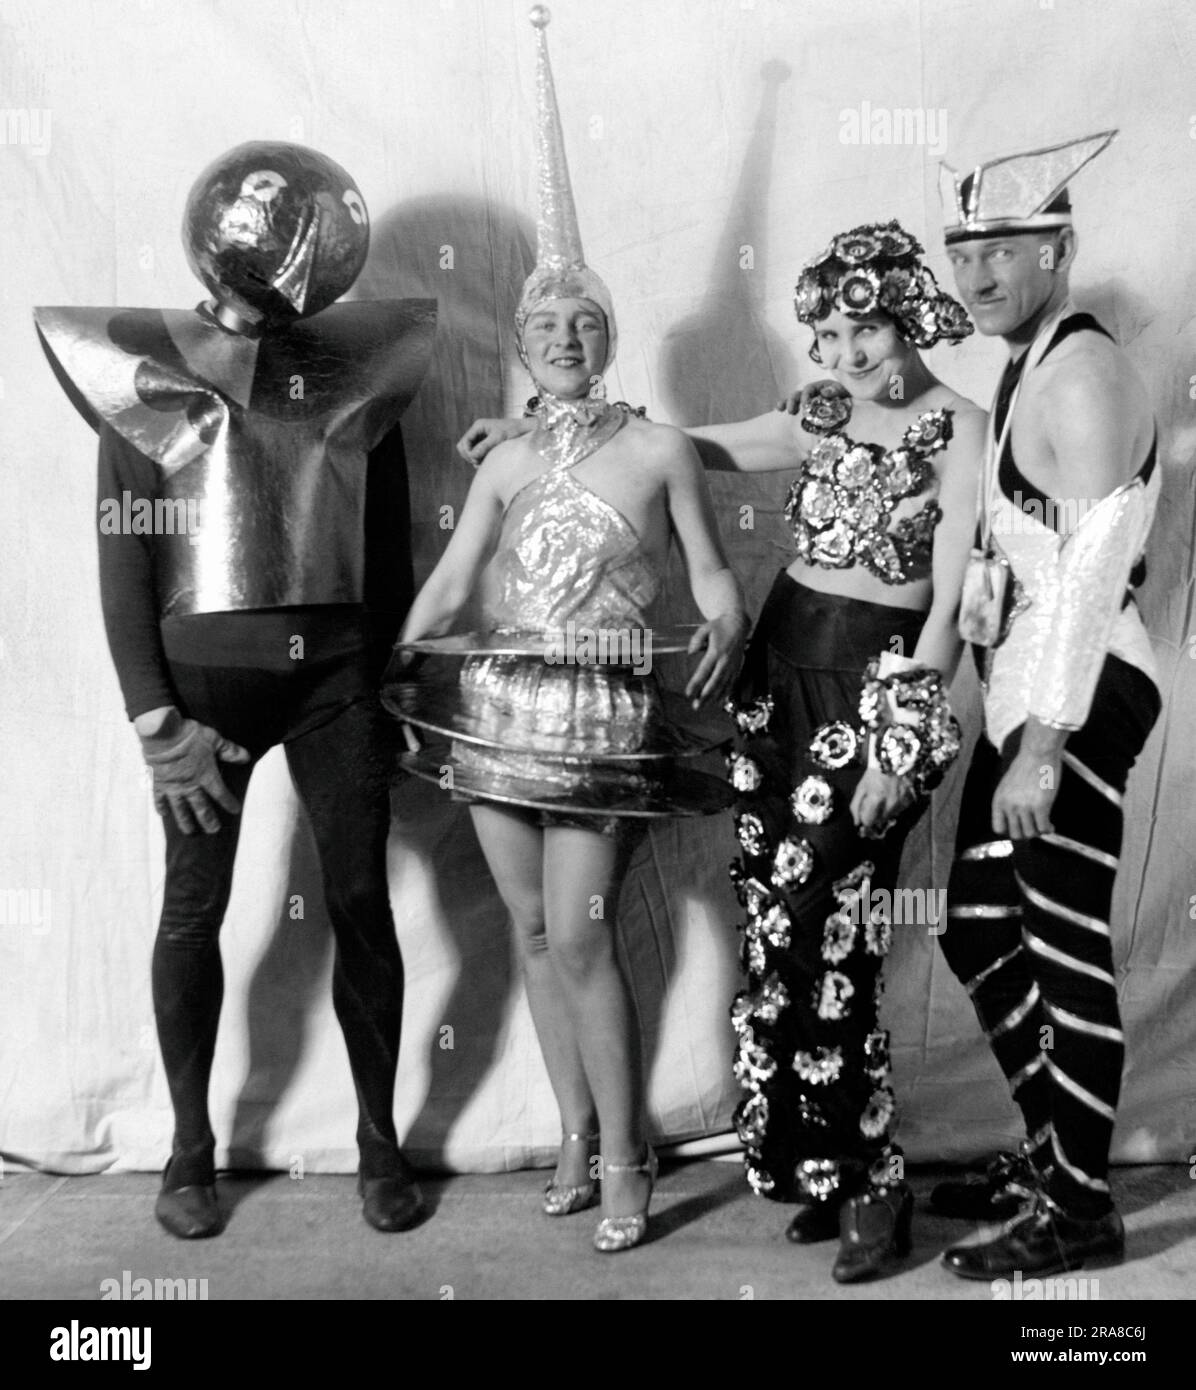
[(813, 1063)]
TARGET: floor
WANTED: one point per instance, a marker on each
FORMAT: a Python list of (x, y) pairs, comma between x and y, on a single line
[(62, 1238)]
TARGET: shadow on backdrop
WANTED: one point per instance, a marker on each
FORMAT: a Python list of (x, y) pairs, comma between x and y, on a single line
[(292, 978), (725, 363)]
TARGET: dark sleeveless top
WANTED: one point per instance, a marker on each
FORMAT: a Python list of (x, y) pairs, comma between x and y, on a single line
[(1012, 482)]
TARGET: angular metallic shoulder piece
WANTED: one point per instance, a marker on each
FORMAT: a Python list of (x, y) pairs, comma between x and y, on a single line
[(268, 436)]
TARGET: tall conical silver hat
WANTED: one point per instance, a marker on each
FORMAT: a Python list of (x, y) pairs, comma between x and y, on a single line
[(561, 271)]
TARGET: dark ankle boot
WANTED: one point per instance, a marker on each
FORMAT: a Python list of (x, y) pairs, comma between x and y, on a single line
[(814, 1221), (874, 1230), (187, 1205)]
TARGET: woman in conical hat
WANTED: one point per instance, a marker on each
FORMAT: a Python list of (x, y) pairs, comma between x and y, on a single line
[(843, 725), (556, 758)]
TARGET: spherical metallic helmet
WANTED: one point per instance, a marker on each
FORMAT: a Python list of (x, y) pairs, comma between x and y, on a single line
[(275, 231)]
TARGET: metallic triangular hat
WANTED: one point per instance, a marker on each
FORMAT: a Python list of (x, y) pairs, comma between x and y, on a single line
[(1015, 194), (561, 271)]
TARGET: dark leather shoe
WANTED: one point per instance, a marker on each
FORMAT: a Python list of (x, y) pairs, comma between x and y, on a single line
[(874, 1229), (391, 1204), (1006, 1187), (191, 1213), (1043, 1241), (813, 1221), (187, 1205)]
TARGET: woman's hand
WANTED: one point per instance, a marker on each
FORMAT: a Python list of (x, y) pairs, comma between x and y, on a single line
[(483, 435), (878, 800), (794, 402), (723, 639), (825, 397)]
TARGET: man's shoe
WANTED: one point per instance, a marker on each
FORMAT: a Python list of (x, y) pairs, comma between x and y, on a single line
[(814, 1221), (1004, 1189), (391, 1204), (1043, 1241), (190, 1212)]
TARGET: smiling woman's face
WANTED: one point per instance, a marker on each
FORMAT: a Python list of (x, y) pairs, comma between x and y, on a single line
[(566, 342), (864, 355)]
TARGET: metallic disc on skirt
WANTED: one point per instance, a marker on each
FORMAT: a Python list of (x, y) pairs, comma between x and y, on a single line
[(559, 711), (579, 786)]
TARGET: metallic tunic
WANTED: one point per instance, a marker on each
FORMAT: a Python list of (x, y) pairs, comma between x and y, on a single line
[(565, 556), (263, 440)]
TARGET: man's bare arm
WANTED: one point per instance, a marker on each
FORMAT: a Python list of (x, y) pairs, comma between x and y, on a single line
[(1095, 421)]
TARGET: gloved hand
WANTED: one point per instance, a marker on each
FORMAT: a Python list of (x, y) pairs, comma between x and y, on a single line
[(182, 755)]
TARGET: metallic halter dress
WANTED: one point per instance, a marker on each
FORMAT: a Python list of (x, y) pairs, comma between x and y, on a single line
[(556, 709), (566, 557)]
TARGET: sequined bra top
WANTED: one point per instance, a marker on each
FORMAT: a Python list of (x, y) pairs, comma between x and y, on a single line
[(566, 554), (841, 502)]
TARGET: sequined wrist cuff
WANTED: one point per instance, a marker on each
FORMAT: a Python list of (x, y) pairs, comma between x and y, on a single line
[(912, 732)]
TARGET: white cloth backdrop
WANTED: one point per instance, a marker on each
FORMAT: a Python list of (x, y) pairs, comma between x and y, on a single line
[(708, 161)]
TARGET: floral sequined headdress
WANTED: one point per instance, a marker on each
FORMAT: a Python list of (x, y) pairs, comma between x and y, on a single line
[(1015, 194), (561, 271), (877, 268)]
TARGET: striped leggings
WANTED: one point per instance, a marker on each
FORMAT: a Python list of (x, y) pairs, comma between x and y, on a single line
[(1028, 937)]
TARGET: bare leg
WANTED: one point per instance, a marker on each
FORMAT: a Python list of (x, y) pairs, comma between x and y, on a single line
[(514, 850), (583, 872)]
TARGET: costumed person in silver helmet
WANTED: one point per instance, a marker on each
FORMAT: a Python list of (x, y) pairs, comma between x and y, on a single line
[(254, 569), (1069, 493), (559, 757), (843, 688)]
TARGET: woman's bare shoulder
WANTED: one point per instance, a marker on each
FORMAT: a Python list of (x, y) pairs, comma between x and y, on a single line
[(663, 446), (964, 410)]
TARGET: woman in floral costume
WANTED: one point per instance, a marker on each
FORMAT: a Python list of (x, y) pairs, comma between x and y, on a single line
[(844, 728)]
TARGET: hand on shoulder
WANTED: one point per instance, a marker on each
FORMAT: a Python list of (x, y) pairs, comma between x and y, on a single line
[(503, 465)]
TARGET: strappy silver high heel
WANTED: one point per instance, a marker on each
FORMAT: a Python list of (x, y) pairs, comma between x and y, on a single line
[(562, 1200), (616, 1233)]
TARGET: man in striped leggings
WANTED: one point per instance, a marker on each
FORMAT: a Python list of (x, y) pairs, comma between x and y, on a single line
[(1069, 700)]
